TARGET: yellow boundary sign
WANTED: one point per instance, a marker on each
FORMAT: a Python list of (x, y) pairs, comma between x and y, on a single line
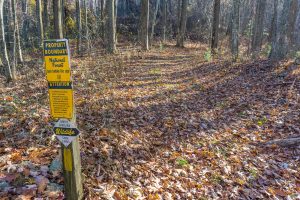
[(57, 60), (58, 73)]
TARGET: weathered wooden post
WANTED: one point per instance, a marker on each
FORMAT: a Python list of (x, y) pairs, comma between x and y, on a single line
[(58, 72)]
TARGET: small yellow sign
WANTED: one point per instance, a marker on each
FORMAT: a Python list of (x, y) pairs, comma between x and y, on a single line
[(61, 103), (68, 160), (57, 60)]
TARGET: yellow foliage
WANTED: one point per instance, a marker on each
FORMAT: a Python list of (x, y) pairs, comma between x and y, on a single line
[(70, 23)]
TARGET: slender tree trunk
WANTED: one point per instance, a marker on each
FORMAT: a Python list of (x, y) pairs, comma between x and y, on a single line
[(102, 18), (293, 14), (87, 34), (98, 15), (110, 23), (18, 48), (79, 28), (280, 42), (145, 24), (40, 22), (57, 12), (272, 31), (14, 52), (63, 16), (3, 47), (182, 27), (45, 18), (164, 13), (258, 29), (115, 19), (8, 23), (25, 25), (154, 19), (215, 28), (179, 8), (235, 30)]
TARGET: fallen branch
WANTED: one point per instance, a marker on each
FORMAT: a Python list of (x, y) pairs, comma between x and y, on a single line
[(290, 142)]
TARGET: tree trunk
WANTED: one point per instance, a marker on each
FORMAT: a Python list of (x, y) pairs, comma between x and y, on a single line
[(272, 31), (86, 28), (40, 22), (182, 25), (63, 16), (144, 24), (45, 18), (102, 20), (8, 26), (79, 28), (110, 23), (115, 19), (18, 47), (164, 12), (98, 15), (57, 12), (25, 24), (154, 19), (215, 27), (280, 42), (179, 7), (14, 54), (258, 29), (3, 47), (293, 14), (235, 30)]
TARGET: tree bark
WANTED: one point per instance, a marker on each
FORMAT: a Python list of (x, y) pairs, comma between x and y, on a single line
[(86, 28), (154, 19), (14, 54), (17, 34), (3, 47), (179, 8), (280, 42), (63, 16), (182, 25), (115, 19), (102, 20), (258, 29), (215, 27), (79, 28), (110, 23), (57, 12), (40, 22), (98, 15), (293, 14), (45, 18), (144, 24), (9, 27), (235, 30), (164, 11), (25, 24)]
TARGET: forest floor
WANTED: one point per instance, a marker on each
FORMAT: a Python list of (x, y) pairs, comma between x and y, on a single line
[(164, 124)]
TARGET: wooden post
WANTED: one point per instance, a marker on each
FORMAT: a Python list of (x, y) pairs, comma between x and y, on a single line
[(72, 171)]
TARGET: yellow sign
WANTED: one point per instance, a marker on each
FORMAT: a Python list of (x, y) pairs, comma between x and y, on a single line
[(61, 99), (57, 60), (68, 160)]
